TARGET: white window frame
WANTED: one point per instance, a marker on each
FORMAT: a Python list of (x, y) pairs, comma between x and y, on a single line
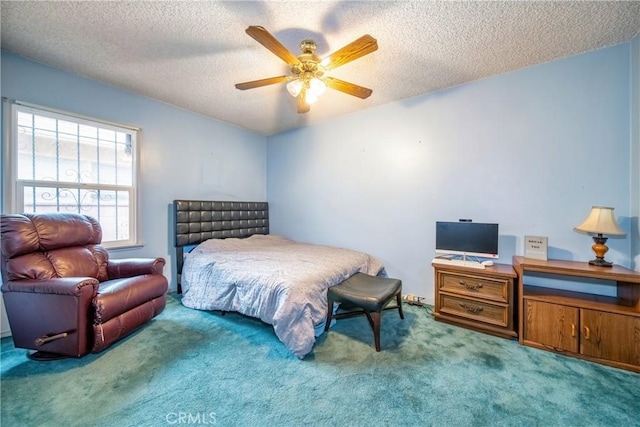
[(13, 189)]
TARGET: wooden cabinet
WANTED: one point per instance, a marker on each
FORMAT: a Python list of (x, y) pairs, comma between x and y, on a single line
[(551, 325), (480, 299), (614, 337), (593, 327)]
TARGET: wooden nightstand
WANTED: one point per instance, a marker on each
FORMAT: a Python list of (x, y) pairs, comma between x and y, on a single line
[(480, 299)]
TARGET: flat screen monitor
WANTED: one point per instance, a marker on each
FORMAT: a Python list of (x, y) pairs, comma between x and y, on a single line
[(467, 239)]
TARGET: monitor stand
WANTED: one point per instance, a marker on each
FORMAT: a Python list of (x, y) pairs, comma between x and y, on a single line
[(471, 263), (464, 262)]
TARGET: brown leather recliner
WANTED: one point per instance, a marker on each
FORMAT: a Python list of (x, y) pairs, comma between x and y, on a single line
[(62, 293)]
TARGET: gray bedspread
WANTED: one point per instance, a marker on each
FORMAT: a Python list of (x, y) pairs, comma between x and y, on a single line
[(280, 281)]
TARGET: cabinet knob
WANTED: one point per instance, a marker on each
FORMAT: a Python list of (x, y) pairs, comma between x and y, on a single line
[(470, 287)]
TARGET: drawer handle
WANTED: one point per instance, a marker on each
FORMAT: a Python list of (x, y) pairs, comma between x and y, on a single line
[(587, 333), (573, 330), (471, 287), (472, 310)]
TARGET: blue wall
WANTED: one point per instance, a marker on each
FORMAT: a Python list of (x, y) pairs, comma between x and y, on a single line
[(532, 150), (635, 149), (184, 155)]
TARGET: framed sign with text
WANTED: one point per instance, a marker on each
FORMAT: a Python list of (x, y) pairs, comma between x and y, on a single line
[(535, 247)]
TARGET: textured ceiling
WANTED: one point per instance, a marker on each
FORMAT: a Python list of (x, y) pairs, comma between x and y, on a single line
[(190, 54)]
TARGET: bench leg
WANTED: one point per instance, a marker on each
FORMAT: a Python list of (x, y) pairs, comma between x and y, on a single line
[(329, 314), (376, 318), (399, 299)]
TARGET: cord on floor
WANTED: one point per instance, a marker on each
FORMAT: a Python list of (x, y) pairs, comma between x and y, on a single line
[(418, 303)]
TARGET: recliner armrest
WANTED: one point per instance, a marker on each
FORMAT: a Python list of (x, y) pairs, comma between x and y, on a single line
[(130, 267), (56, 286), (51, 315)]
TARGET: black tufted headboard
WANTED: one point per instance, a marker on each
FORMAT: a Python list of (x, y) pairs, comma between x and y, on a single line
[(200, 220)]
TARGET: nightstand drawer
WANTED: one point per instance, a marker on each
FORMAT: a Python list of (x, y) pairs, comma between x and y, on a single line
[(477, 310), (495, 289)]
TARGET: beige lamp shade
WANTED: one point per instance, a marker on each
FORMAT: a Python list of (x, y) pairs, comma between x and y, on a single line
[(601, 221)]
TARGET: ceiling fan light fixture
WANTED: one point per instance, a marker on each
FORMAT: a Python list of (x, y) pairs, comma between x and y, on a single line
[(317, 86), (310, 97), (307, 80), (295, 87)]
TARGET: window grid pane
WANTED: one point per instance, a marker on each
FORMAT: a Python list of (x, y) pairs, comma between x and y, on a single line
[(55, 151), (63, 166), (110, 207)]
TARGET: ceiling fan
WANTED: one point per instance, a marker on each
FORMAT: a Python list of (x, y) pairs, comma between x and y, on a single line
[(307, 80)]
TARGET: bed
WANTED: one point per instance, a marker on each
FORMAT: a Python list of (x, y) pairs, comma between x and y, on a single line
[(228, 261)]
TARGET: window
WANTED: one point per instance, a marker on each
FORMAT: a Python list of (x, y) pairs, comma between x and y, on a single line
[(58, 162)]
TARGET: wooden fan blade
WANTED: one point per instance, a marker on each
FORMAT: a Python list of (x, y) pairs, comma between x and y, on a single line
[(262, 82), (267, 40), (354, 50), (348, 88), (303, 107)]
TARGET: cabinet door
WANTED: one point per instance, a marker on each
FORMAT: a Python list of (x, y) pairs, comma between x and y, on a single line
[(551, 325), (610, 336)]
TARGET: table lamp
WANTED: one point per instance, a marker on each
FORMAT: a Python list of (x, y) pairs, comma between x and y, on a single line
[(600, 221)]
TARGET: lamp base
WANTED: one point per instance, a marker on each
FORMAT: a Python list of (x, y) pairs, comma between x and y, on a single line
[(600, 262), (600, 248)]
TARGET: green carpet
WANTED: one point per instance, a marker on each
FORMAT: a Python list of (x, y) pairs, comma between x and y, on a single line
[(190, 367)]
